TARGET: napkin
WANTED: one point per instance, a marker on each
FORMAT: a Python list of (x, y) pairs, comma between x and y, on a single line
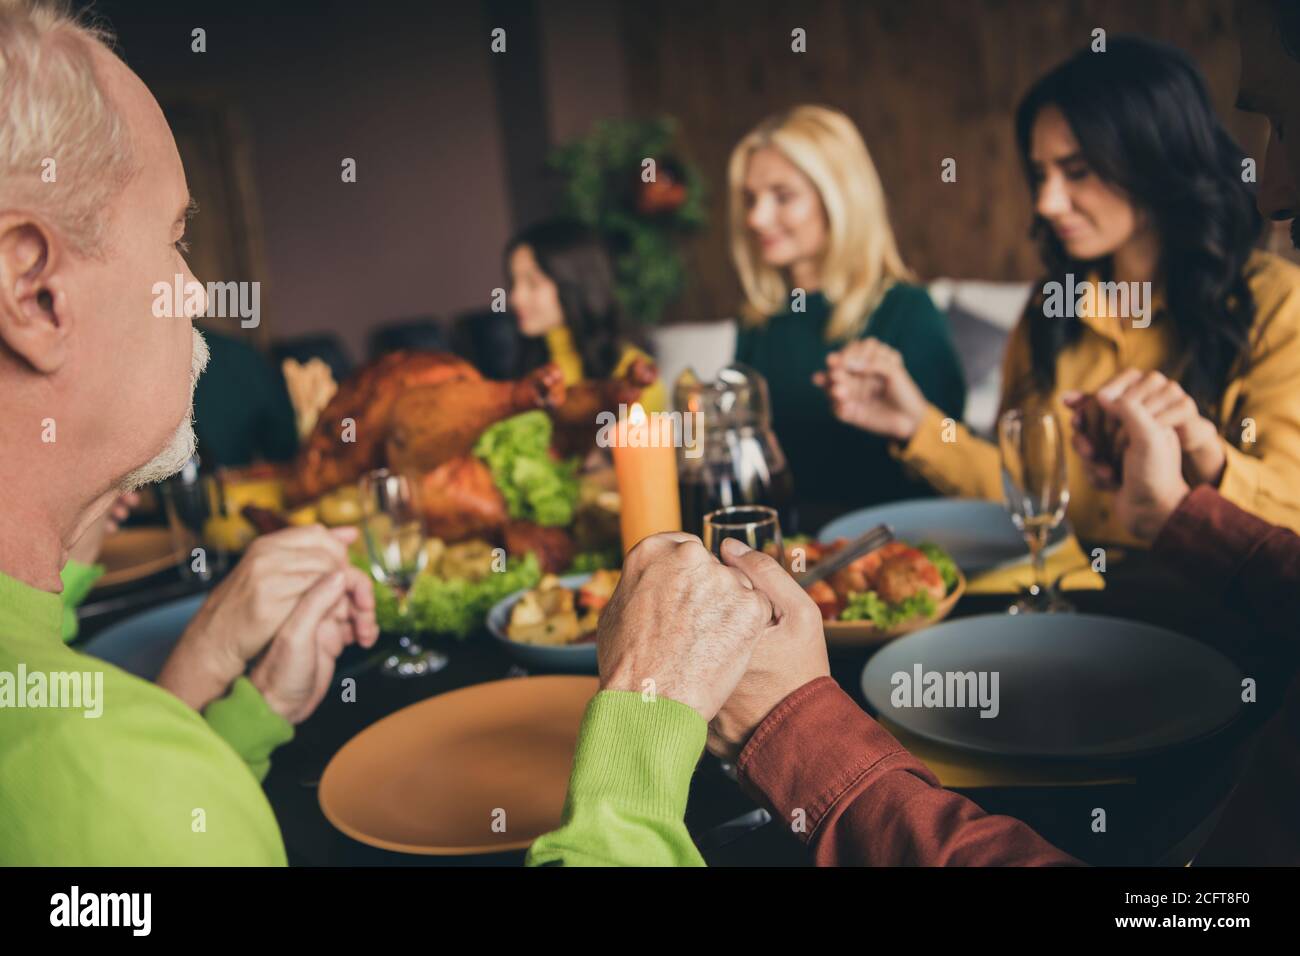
[(1068, 556)]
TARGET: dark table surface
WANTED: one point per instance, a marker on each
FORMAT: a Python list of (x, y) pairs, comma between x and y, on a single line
[(1159, 819)]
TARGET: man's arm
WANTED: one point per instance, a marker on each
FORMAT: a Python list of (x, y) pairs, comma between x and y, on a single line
[(849, 790), (627, 793), (1225, 552)]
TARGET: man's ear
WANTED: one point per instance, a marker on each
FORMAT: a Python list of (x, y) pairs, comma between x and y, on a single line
[(34, 320)]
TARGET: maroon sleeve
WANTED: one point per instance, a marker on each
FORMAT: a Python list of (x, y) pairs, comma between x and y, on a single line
[(851, 792), (1251, 565)]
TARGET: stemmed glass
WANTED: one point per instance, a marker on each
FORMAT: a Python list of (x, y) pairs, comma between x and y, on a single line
[(1036, 493), (393, 530), (756, 525)]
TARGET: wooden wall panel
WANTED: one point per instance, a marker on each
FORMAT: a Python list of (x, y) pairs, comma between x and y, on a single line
[(923, 79)]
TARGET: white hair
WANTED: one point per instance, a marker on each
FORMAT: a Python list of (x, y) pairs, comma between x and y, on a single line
[(180, 447), (64, 150)]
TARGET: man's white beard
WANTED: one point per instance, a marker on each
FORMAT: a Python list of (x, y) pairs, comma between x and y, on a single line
[(180, 448)]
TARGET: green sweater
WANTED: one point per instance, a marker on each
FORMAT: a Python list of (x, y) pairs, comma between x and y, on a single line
[(837, 467), (627, 793), (132, 777)]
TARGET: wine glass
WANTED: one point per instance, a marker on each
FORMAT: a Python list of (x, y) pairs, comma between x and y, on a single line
[(1036, 492), (756, 525), (393, 530)]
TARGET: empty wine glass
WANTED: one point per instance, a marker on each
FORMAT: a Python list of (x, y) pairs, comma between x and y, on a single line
[(393, 530), (1036, 492)]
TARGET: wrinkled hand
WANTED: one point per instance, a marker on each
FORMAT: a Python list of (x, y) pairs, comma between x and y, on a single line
[(252, 604), (88, 546), (295, 672), (869, 387), (790, 653), (679, 624), (1153, 484)]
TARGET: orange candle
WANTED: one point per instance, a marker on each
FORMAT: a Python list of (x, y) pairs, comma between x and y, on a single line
[(645, 463)]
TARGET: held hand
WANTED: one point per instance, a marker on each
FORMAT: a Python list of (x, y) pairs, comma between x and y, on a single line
[(250, 606), (1153, 484), (295, 672), (790, 653), (1093, 437), (869, 387), (88, 546), (679, 624), (1164, 399)]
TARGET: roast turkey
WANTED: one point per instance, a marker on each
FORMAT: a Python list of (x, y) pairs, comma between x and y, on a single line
[(420, 413)]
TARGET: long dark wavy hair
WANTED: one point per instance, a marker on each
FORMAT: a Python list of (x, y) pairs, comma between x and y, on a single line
[(1142, 116), (576, 260)]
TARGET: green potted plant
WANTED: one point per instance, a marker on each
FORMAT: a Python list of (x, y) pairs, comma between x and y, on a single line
[(626, 181)]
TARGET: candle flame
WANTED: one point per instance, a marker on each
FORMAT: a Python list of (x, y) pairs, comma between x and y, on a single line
[(636, 415)]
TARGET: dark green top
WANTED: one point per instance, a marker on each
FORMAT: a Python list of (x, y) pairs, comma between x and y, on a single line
[(242, 411), (837, 467)]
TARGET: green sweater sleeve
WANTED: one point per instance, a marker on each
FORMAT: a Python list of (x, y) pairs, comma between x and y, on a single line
[(143, 784), (627, 793), (78, 579), (244, 720)]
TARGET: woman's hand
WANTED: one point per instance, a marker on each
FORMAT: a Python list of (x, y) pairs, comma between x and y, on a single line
[(1169, 406), (869, 388)]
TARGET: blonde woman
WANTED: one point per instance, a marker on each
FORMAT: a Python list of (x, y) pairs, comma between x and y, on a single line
[(811, 240)]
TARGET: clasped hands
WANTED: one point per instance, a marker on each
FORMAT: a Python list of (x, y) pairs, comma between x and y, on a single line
[(287, 611), (731, 639)]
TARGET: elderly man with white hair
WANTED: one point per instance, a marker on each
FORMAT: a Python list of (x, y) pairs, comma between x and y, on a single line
[(96, 394)]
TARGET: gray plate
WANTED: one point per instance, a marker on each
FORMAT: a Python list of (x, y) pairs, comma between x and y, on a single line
[(1069, 685), (978, 534), (140, 644), (571, 659)]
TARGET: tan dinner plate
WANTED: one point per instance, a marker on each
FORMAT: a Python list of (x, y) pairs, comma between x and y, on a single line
[(866, 634), (134, 553), (478, 770)]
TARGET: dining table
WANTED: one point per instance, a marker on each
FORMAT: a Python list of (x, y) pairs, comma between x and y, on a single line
[(1159, 807)]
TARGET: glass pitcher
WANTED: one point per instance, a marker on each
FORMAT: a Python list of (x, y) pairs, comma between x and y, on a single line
[(729, 454)]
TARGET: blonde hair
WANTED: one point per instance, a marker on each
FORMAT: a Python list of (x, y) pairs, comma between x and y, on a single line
[(861, 260), (52, 107)]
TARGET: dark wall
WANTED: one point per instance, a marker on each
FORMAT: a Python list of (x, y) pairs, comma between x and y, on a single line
[(411, 91), (923, 79)]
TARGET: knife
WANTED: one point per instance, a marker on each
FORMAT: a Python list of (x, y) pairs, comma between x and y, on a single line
[(877, 537)]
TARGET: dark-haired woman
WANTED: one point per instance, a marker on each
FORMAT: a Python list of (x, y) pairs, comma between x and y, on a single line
[(1135, 182), (563, 295)]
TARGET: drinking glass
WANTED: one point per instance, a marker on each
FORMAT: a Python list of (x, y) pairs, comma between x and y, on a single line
[(393, 530), (1036, 493), (756, 525), (192, 501)]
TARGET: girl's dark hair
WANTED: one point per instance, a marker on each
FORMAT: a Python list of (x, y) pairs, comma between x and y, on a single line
[(1144, 123), (576, 260)]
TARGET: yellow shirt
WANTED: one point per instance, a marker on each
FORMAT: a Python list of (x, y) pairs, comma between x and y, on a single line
[(559, 342), (1260, 411)]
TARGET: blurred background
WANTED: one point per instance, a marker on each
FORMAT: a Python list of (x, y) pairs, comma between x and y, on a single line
[(458, 147)]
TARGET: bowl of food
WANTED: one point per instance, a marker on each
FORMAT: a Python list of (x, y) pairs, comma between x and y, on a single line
[(552, 627), (892, 591)]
